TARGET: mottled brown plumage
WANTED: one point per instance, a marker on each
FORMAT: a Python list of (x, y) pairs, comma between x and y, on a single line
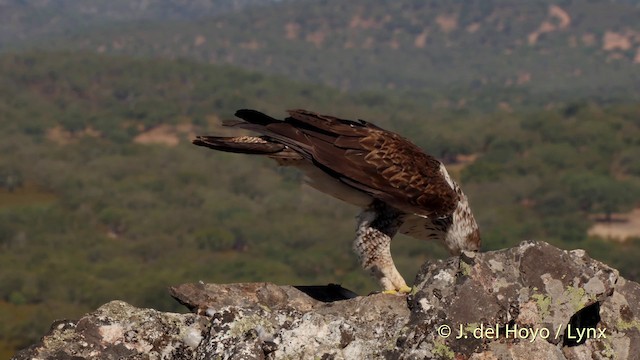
[(400, 187)]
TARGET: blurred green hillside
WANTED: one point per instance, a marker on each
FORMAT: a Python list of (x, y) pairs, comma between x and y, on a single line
[(22, 21), (534, 52), (103, 197)]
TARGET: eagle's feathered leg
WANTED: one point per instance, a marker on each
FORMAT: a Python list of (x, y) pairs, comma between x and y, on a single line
[(376, 227)]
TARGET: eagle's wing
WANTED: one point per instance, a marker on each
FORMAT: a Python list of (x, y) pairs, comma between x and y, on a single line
[(378, 162)]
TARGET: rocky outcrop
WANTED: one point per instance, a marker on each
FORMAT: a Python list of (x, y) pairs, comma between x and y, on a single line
[(531, 301)]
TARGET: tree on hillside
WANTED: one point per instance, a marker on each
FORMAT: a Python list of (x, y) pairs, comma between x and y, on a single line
[(597, 193), (10, 179)]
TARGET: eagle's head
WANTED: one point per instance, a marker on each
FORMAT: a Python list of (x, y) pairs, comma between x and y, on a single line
[(463, 234)]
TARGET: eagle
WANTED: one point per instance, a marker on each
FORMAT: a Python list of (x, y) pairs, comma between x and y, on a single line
[(399, 187)]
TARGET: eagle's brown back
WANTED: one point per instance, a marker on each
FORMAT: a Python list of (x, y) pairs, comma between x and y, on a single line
[(363, 156)]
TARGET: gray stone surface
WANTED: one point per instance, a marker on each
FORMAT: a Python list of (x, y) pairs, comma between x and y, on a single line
[(531, 301)]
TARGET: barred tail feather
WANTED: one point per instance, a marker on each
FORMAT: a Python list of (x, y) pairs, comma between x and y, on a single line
[(256, 145)]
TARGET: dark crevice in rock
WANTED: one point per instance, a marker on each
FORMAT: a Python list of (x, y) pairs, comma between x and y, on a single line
[(582, 326), (268, 347), (327, 293)]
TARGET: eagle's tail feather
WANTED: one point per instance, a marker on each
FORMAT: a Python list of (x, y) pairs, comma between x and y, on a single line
[(259, 145), (252, 120), (255, 117)]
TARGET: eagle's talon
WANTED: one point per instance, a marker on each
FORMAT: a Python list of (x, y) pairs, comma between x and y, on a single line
[(402, 291)]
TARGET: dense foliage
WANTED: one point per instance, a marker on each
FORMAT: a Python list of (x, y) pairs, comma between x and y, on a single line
[(465, 53), (25, 20), (87, 214)]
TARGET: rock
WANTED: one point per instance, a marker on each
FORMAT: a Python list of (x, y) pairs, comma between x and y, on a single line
[(118, 330), (531, 300), (509, 303), (201, 297)]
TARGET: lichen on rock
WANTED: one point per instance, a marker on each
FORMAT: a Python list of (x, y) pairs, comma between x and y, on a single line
[(507, 304)]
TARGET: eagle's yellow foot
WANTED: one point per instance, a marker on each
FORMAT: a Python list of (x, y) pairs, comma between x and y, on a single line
[(403, 290)]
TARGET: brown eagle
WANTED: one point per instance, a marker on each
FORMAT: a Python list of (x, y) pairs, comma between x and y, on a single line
[(399, 187)]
